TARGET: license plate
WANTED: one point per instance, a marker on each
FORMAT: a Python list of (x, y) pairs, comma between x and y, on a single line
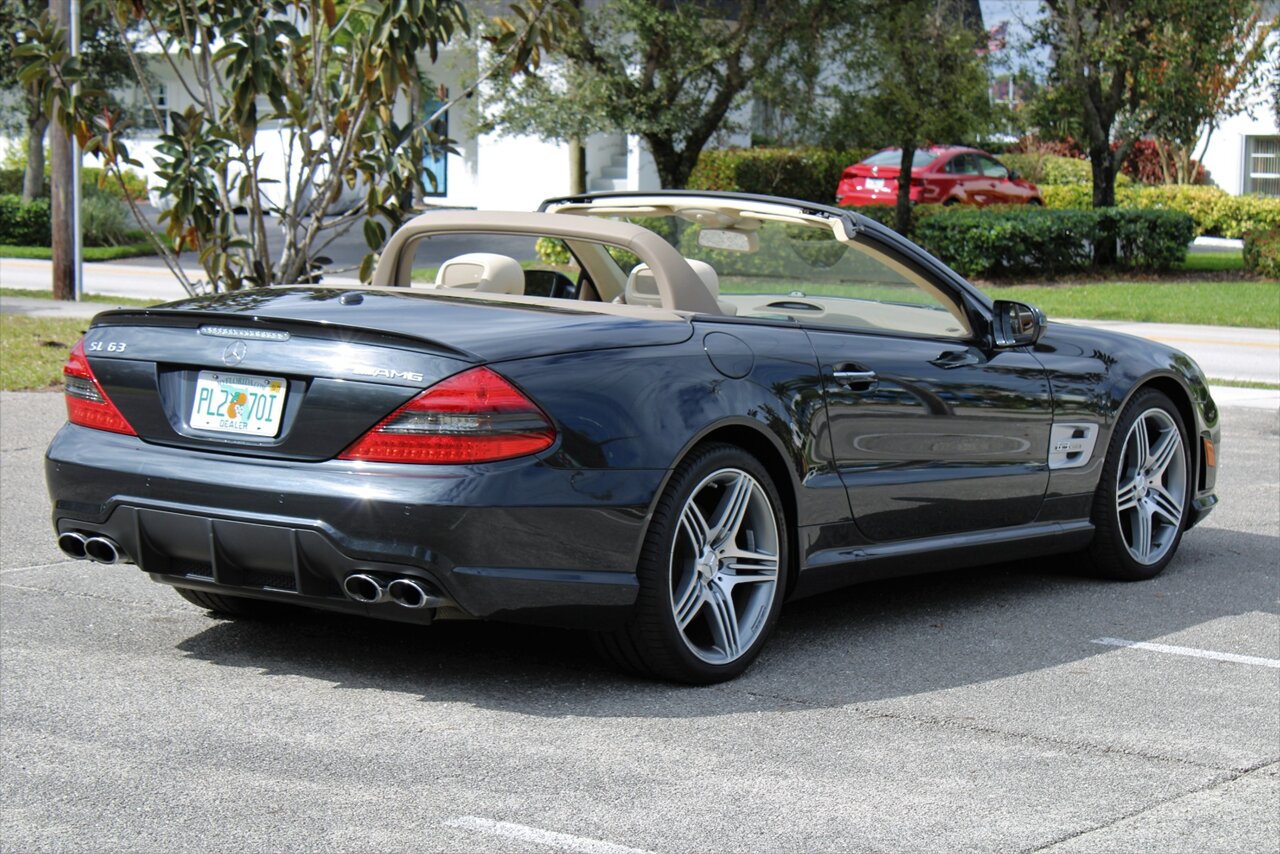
[(875, 183), (238, 403)]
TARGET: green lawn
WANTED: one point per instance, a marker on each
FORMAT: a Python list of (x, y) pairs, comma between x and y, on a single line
[(1212, 262), (95, 298), (33, 349), (1254, 304), (91, 253)]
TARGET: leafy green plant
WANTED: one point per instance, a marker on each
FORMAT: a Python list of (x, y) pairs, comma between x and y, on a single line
[(330, 76), (994, 244), (1213, 210), (1262, 252), (811, 174), (24, 223), (104, 220), (552, 251)]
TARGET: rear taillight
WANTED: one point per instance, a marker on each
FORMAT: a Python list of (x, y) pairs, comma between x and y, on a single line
[(472, 417), (87, 402)]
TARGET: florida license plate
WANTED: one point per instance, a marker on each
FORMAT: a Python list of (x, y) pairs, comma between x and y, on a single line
[(238, 403), (875, 183)]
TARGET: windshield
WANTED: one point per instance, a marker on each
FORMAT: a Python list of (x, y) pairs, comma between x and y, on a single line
[(893, 157), (803, 273)]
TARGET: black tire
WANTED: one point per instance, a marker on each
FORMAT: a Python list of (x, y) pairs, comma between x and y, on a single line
[(1035, 203), (651, 643), (233, 606), (1110, 554), (951, 201)]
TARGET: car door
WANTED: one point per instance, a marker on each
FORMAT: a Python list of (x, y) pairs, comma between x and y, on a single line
[(973, 186), (999, 189), (932, 431)]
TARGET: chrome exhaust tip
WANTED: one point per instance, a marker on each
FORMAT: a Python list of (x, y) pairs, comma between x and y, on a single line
[(102, 550), (72, 544), (363, 588), (410, 593)]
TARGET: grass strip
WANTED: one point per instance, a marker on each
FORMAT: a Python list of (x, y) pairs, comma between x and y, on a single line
[(91, 253), (33, 350), (1250, 304), (31, 293)]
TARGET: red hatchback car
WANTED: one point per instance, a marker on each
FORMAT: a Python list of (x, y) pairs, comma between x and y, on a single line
[(940, 174)]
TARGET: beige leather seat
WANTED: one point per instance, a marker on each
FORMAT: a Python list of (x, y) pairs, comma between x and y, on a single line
[(486, 272), (642, 288)]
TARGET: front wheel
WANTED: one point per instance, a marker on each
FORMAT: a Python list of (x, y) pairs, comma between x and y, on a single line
[(1140, 508), (710, 572)]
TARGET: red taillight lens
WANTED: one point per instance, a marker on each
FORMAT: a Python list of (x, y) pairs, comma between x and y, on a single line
[(87, 402), (472, 417)]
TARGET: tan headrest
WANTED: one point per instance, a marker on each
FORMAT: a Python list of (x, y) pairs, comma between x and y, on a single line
[(486, 272), (642, 287)]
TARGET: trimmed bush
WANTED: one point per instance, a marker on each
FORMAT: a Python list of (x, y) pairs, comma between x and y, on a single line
[(104, 220), (1148, 239), (1262, 252), (995, 243), (1213, 210), (811, 174), (24, 223), (10, 182)]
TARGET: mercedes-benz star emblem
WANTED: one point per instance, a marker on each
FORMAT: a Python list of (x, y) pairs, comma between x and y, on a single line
[(234, 354)]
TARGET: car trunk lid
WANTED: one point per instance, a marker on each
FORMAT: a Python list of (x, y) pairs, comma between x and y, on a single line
[(209, 372)]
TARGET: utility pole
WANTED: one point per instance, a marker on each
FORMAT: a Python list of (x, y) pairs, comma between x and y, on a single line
[(64, 183)]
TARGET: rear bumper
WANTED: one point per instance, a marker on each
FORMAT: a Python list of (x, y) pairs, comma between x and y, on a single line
[(520, 540)]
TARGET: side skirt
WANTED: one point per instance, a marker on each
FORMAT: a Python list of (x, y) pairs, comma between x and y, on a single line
[(832, 568)]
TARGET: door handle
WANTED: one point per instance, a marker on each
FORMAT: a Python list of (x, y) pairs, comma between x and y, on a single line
[(854, 377)]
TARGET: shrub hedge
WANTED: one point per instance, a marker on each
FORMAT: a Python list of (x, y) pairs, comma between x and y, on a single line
[(24, 223), (1262, 252), (811, 174), (993, 243), (1214, 211), (135, 185)]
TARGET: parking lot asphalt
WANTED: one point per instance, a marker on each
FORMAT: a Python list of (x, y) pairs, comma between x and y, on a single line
[(987, 709)]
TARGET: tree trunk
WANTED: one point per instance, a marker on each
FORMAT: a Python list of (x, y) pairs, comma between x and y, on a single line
[(673, 171), (1103, 161), (902, 209), (33, 178), (577, 167)]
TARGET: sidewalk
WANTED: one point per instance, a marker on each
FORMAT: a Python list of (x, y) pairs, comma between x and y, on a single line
[(1224, 352)]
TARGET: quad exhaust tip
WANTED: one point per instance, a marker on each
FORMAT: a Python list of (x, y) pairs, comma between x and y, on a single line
[(364, 588), (405, 592), (82, 546), (102, 550), (72, 544)]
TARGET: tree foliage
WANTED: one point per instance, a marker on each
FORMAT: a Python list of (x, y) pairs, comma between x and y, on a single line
[(929, 79), (103, 62), (671, 73), (327, 76), (1198, 77)]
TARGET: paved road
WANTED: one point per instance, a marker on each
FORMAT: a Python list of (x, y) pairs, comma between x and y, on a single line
[(973, 710)]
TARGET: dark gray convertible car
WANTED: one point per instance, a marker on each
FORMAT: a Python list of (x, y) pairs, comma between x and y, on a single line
[(688, 410)]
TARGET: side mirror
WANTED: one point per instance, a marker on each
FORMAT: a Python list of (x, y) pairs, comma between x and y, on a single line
[(1014, 176), (1016, 324)]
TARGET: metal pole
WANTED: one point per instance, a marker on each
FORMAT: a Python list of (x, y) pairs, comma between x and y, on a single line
[(77, 228)]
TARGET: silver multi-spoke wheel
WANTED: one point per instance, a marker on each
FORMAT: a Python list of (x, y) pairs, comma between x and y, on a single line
[(1151, 486), (724, 566)]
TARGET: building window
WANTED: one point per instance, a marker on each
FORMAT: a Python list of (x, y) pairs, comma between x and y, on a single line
[(436, 160), (1262, 165), (146, 118)]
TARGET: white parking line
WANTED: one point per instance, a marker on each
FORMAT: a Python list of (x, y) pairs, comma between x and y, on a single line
[(37, 566), (1191, 651), (524, 833)]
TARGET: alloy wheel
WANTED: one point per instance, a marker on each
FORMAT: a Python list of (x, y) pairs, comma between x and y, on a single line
[(1151, 486), (724, 566)]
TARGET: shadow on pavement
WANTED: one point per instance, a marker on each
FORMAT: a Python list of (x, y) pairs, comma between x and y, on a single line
[(865, 643)]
